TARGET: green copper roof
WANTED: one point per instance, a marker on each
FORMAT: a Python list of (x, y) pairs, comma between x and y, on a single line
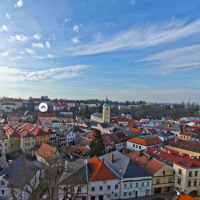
[(106, 102)]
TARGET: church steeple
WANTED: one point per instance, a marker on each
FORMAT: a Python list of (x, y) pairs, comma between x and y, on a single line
[(106, 111)]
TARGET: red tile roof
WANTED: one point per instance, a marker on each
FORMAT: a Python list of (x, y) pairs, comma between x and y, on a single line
[(146, 142), (107, 140), (80, 152), (47, 115), (169, 158), (46, 151), (184, 196), (186, 133), (133, 155), (98, 171), (152, 131)]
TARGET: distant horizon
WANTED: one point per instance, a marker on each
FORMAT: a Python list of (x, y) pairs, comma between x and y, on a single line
[(130, 49)]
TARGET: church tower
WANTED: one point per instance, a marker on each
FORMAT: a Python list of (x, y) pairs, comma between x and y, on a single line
[(106, 111)]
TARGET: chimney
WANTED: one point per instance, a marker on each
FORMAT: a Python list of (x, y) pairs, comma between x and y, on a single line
[(111, 158), (10, 162), (102, 161)]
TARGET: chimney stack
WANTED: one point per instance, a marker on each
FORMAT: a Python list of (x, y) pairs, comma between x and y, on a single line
[(10, 162), (111, 158)]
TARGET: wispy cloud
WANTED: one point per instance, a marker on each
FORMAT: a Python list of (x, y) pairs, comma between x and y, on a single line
[(139, 37), (30, 51), (47, 44), (186, 58), (76, 28), (17, 58), (21, 38), (37, 36), (3, 28), (19, 3), (38, 45), (66, 20), (133, 2), (7, 16), (75, 40), (14, 74), (22, 52), (4, 54), (111, 24), (50, 56), (53, 36)]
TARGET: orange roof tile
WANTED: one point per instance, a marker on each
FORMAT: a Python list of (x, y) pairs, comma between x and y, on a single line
[(99, 171), (46, 151), (132, 155), (184, 196), (186, 133), (146, 142)]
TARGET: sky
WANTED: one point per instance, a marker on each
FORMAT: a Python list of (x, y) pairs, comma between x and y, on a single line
[(82, 49)]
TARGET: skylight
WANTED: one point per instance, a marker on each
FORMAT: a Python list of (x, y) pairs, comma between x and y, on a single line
[(154, 151), (158, 153)]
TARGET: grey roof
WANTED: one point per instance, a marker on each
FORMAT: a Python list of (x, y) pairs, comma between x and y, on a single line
[(92, 123), (132, 134), (124, 166), (99, 115), (83, 141), (166, 133), (19, 172), (105, 125), (175, 127), (113, 115)]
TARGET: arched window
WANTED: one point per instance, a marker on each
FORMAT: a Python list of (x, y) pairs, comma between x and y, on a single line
[(2, 183)]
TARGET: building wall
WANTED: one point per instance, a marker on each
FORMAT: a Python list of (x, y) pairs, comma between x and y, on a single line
[(185, 178), (184, 137), (4, 146), (42, 138), (12, 123), (14, 143), (106, 114), (27, 143), (105, 191), (166, 179), (138, 147), (96, 119), (183, 151), (135, 186)]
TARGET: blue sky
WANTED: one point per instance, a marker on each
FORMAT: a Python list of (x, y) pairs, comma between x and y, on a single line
[(79, 49)]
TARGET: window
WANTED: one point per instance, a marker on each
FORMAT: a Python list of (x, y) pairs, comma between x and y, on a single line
[(133, 145), (147, 183), (32, 143), (116, 195), (2, 183), (189, 183), (2, 191), (32, 138), (11, 145), (130, 193), (170, 180), (180, 171), (179, 181), (29, 144), (79, 189), (136, 185), (131, 185), (125, 194), (157, 181), (6, 144), (40, 136), (108, 187), (125, 185), (195, 183), (44, 141), (37, 137), (0, 145), (44, 136), (142, 184), (37, 142), (190, 173), (139, 147), (25, 144), (101, 188), (116, 187), (108, 196), (136, 146), (93, 189), (163, 172), (29, 138), (196, 173)]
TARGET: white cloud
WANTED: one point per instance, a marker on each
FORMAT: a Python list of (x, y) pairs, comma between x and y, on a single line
[(66, 20), (22, 52), (3, 28), (14, 74), (111, 24), (4, 54), (48, 45), (17, 58), (75, 40), (7, 16), (139, 37), (133, 2), (185, 58), (54, 37), (76, 28), (38, 45), (50, 56), (19, 3), (30, 51), (21, 38), (37, 36)]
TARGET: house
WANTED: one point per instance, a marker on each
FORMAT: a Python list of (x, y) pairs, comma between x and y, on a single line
[(53, 139), (185, 135), (55, 123), (134, 180), (13, 121), (8, 109), (47, 116), (27, 141), (184, 146), (42, 100), (83, 141), (103, 183), (186, 172), (122, 120), (4, 143), (141, 143), (9, 105), (163, 175), (79, 152), (119, 139), (18, 102), (46, 153), (16, 178)]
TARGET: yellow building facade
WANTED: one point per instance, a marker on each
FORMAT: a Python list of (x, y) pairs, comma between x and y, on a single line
[(42, 139), (185, 136), (4, 144)]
